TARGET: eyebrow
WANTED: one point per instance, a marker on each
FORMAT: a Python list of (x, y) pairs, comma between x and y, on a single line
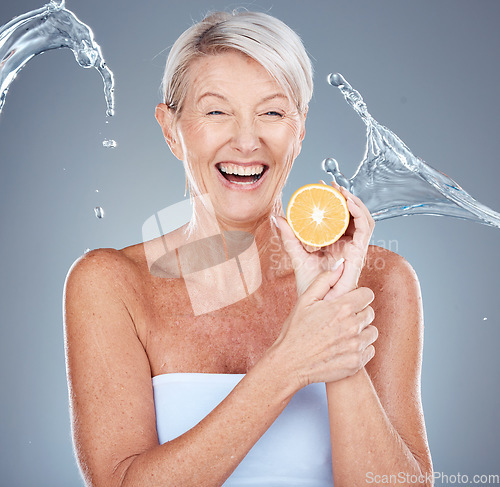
[(222, 97), (209, 93)]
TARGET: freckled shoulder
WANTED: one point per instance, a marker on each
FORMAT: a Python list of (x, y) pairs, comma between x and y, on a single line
[(101, 264), (106, 273), (394, 283), (384, 268)]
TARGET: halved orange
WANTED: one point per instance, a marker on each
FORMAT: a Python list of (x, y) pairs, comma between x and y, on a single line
[(318, 214)]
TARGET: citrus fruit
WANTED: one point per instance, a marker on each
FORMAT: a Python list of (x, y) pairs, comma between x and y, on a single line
[(317, 214)]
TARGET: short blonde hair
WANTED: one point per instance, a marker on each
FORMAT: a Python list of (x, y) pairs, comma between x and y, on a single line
[(260, 36)]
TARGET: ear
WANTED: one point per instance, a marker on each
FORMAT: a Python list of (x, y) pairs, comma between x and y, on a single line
[(303, 130), (165, 117)]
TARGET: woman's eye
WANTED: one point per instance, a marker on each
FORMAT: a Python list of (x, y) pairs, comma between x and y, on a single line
[(215, 112), (274, 114)]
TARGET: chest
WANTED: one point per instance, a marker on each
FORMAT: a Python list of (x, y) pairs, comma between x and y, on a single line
[(229, 339)]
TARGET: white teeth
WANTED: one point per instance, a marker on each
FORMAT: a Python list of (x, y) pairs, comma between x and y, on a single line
[(241, 182), (241, 170)]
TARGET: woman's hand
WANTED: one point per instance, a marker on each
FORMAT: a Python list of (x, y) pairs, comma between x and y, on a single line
[(327, 340), (348, 253)]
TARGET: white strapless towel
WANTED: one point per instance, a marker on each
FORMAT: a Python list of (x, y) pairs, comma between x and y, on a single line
[(294, 451)]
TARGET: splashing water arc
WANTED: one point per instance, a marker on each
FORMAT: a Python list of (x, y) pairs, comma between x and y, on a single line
[(50, 27), (393, 182)]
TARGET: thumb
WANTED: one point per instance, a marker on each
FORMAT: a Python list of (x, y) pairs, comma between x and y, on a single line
[(321, 286), (292, 245)]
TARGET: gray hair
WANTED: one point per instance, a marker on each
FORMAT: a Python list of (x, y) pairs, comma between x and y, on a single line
[(260, 36)]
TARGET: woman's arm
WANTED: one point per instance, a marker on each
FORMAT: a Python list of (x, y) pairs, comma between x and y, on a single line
[(376, 418), (113, 415), (112, 407)]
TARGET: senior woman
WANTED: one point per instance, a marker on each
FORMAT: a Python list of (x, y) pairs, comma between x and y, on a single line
[(200, 358)]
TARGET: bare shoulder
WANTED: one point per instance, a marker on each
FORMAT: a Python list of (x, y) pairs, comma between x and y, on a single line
[(398, 301), (101, 280), (102, 266), (389, 275)]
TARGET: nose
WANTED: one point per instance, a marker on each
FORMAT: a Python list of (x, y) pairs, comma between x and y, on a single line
[(245, 138)]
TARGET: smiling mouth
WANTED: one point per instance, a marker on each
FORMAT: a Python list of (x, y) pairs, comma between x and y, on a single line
[(236, 174)]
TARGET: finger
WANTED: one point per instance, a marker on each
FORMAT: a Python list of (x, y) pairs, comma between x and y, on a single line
[(348, 195), (292, 244), (320, 287), (362, 228), (364, 296), (369, 335), (332, 293), (368, 354), (360, 204), (364, 318), (333, 183), (310, 248), (358, 299), (349, 279)]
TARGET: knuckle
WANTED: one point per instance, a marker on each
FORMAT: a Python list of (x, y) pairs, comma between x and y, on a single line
[(353, 361), (353, 345), (343, 309), (357, 344), (370, 352), (353, 328)]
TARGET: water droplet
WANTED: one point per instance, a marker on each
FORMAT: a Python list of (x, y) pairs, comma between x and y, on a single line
[(97, 191), (336, 79), (99, 212), (109, 143), (86, 250), (484, 319)]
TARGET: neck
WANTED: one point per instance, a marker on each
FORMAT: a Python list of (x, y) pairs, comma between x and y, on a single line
[(238, 238)]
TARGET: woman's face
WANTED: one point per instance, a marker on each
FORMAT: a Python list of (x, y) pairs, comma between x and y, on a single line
[(238, 134)]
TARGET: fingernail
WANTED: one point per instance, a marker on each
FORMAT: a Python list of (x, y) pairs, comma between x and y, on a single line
[(337, 264), (273, 218)]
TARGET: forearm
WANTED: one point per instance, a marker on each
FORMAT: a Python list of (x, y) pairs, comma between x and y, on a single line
[(207, 454), (363, 438)]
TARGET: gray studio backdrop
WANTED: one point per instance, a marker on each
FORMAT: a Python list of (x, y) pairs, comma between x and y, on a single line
[(427, 69)]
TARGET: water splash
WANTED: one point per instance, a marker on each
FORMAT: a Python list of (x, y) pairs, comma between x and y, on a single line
[(50, 27), (393, 182)]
